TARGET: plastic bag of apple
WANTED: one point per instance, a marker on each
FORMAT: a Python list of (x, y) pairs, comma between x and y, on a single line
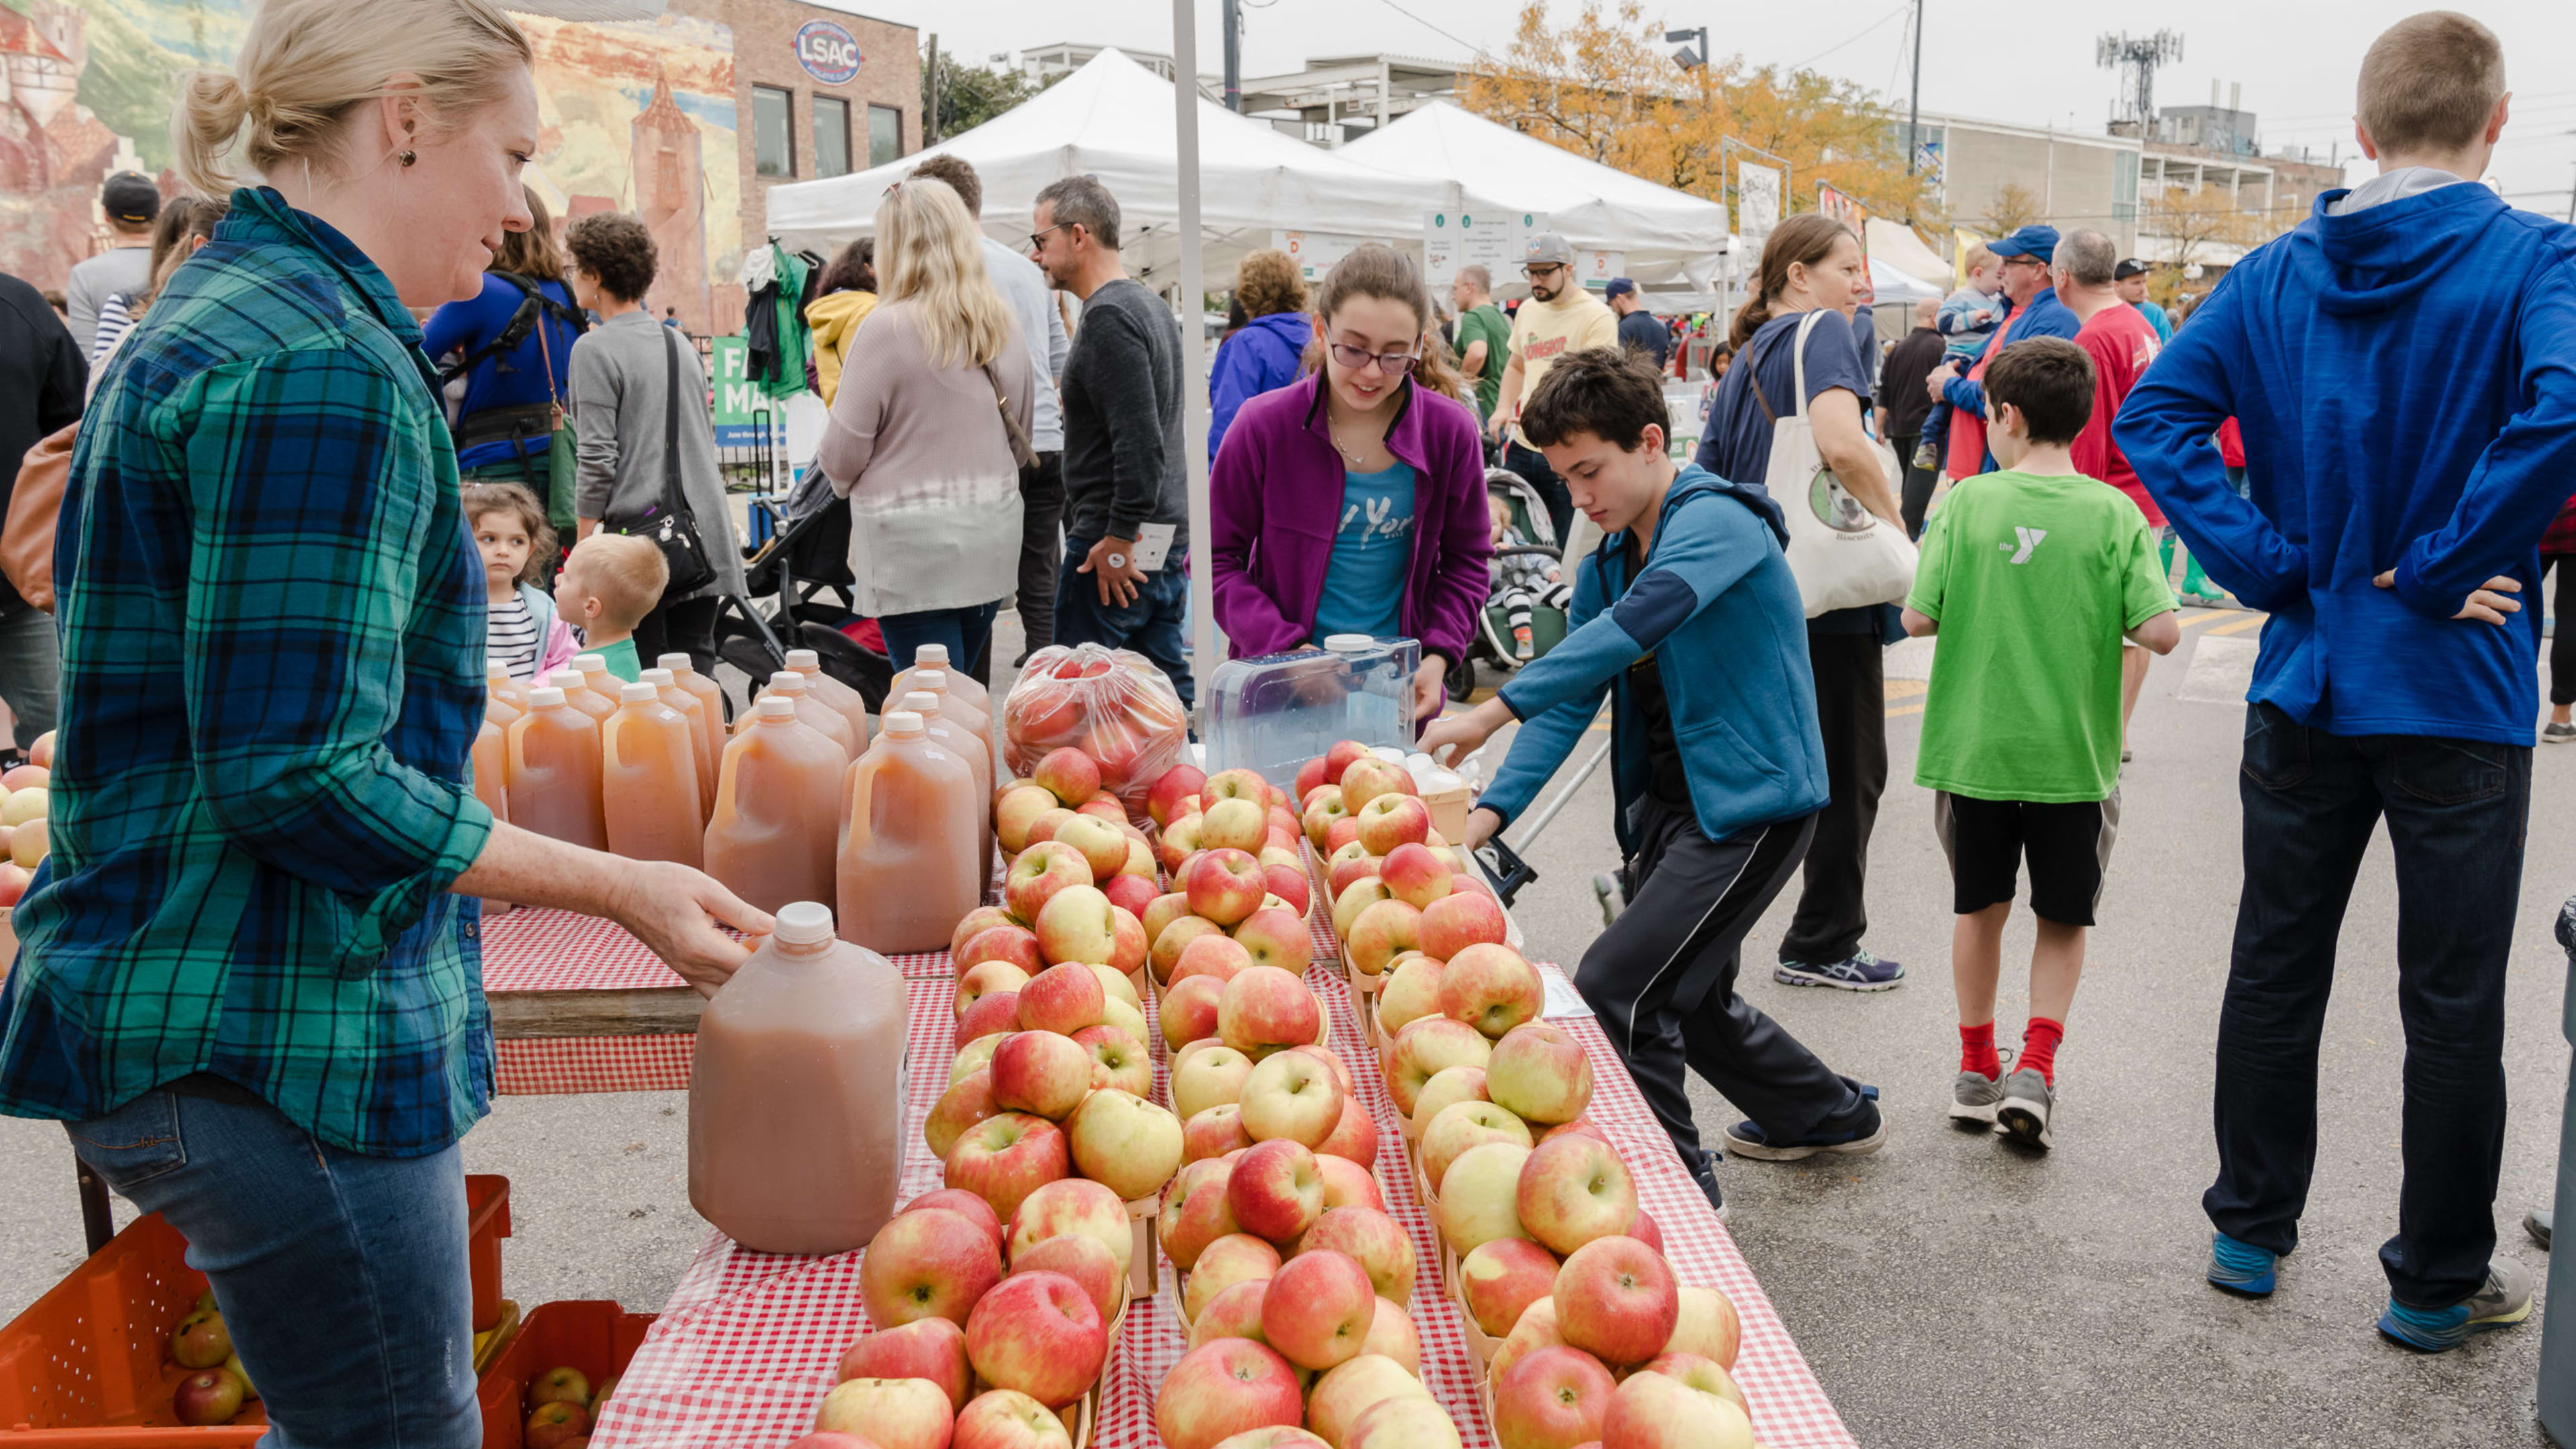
[(1111, 704)]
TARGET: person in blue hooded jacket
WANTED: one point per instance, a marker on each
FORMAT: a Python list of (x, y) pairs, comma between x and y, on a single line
[(1718, 768), (2404, 368), (1268, 351)]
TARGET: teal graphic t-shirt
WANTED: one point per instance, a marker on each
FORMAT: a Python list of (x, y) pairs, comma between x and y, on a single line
[(1372, 553)]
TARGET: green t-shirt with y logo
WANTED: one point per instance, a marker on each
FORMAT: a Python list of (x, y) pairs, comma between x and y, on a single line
[(2033, 581)]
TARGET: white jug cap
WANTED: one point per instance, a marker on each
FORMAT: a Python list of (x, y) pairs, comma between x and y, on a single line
[(660, 677), (590, 663), (675, 661), (930, 654), (1349, 643), (902, 722), (922, 702), (804, 923), (638, 693), (801, 660), (777, 706), (934, 680), (545, 695), (787, 681), (567, 679)]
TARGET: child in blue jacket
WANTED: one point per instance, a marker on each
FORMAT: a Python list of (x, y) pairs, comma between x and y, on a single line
[(1718, 769), (2404, 369)]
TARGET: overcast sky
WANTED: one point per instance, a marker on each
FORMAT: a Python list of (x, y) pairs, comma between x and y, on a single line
[(2297, 73)]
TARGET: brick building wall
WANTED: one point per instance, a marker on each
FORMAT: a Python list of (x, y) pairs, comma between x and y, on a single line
[(764, 55)]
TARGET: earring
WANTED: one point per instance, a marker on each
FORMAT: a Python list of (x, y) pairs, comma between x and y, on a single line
[(407, 156)]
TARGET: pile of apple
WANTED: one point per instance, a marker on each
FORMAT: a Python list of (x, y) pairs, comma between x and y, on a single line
[(23, 800), (1063, 801), (562, 1408), (982, 1336), (1232, 810), (1394, 884), (217, 1385)]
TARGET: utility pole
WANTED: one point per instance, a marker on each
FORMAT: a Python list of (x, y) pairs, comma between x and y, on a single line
[(930, 93), (1234, 55), (1914, 106)]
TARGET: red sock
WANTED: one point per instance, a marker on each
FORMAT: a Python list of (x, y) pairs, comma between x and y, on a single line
[(2039, 1047), (1977, 1050)]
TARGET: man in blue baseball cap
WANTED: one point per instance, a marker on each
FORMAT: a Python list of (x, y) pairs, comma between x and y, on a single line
[(2025, 255), (1639, 329)]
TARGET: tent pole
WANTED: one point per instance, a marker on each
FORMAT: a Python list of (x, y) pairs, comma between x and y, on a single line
[(1193, 286)]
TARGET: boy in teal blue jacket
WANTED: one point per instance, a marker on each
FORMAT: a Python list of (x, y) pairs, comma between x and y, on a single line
[(1717, 766)]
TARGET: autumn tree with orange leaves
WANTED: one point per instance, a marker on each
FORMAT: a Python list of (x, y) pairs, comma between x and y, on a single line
[(1603, 88)]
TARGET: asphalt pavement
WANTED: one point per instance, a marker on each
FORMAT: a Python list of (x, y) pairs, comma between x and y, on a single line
[(1950, 1290)]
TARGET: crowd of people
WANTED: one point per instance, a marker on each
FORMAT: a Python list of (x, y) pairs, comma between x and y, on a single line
[(281, 411)]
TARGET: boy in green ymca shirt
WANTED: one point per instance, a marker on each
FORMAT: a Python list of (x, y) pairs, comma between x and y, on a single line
[(2031, 576)]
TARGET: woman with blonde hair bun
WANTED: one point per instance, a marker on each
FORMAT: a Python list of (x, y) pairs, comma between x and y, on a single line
[(926, 441), (249, 984)]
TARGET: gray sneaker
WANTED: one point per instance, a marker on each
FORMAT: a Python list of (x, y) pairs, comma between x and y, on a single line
[(2503, 1301), (1974, 1098), (2023, 1113)]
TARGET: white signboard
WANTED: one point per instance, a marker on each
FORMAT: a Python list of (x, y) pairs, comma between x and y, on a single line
[(1757, 202), (1595, 269), (1493, 240), (1314, 252)]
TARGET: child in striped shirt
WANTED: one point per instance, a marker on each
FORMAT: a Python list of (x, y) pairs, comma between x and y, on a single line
[(522, 633)]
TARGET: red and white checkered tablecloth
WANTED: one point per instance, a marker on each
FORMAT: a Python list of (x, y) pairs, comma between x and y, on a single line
[(746, 1346), (545, 950)]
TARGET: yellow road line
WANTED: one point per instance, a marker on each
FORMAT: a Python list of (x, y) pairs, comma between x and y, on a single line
[(2241, 625), (1896, 709), (1902, 688)]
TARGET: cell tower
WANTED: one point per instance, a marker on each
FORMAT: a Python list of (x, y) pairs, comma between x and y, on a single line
[(2139, 56)]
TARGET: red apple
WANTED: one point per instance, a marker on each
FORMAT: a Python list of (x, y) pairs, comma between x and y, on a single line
[(1189, 1009), (1073, 1205), (993, 1013), (1062, 999), (1223, 1389), (1276, 937), (1275, 1190), (1426, 1045), (1338, 758), (1039, 872), (1168, 789), (1082, 1259), (1344, 871), (1390, 820), (1574, 1190), (1003, 1159), (1354, 1387), (1001, 1419), (1118, 1060), (1043, 829), (968, 1102), (1319, 1309), (1173, 939), (1134, 894), (1553, 1398), (1310, 778), (1180, 842), (1007, 943), (550, 1426), (1321, 810), (1347, 1183), (1162, 911), (1381, 933), (1237, 784), (1040, 1073), (1342, 832), (1038, 1334), (1265, 1006), (1354, 1137), (1643, 1229), (1459, 920), (1213, 1132), (1417, 876), (1225, 886), (1491, 988), (1366, 779), (1293, 1097), (1212, 954), (1616, 1299), (964, 1203), (1351, 902), (1069, 774), (889, 1413), (1234, 1258), (1392, 1333), (925, 1348), (1502, 1278), (1103, 845), (1289, 883), (932, 1263), (1234, 1313), (1540, 1072), (1579, 1127), (1536, 1330), (1195, 1212), (1373, 1240), (1016, 811)]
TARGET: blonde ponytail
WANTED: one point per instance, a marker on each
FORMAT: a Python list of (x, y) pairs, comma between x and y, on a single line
[(305, 65)]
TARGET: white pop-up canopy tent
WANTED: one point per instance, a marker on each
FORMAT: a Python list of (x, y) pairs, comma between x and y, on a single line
[(1670, 237), (1115, 120)]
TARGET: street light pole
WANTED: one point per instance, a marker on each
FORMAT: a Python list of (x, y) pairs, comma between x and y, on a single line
[(1914, 106)]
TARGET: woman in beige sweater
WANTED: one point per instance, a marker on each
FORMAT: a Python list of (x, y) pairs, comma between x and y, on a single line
[(917, 440)]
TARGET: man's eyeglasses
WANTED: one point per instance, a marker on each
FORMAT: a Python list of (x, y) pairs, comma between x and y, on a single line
[(1538, 272), (1393, 364), (2025, 262)]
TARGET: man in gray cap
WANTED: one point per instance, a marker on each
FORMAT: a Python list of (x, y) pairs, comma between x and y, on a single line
[(1559, 317), (131, 202)]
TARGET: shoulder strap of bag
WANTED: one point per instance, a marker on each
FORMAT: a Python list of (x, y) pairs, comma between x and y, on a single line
[(673, 500), (1798, 347), (1021, 453)]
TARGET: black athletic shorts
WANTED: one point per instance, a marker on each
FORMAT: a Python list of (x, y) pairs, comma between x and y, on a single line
[(2068, 847)]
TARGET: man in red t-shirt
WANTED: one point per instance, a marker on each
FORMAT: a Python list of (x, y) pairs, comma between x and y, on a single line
[(2121, 342)]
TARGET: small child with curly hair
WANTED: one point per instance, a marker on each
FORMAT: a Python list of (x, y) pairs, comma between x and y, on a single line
[(522, 633)]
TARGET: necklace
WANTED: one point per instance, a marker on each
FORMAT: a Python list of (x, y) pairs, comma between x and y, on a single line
[(1351, 456)]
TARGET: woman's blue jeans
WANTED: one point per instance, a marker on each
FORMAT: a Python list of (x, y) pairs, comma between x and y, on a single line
[(342, 1278), (968, 633)]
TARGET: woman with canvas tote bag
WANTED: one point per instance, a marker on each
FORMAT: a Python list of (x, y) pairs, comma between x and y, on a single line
[(1802, 382)]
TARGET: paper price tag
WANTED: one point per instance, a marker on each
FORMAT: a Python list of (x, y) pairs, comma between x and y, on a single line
[(1154, 545), (1562, 998)]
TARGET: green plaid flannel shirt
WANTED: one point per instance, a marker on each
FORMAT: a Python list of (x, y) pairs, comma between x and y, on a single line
[(272, 638)]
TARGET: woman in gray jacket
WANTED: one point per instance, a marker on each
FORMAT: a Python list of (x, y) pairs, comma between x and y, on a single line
[(622, 407), (918, 440)]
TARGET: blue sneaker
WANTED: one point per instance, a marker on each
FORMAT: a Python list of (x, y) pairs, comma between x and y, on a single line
[(1747, 1139), (2242, 1268), (2502, 1302), (1860, 971)]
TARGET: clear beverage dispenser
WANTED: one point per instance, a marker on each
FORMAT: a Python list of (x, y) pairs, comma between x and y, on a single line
[(1274, 713)]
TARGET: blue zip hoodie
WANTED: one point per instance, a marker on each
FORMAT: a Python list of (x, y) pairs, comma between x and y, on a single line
[(1261, 356), (1716, 597), (2406, 379)]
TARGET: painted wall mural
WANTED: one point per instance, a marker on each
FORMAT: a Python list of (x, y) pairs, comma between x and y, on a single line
[(638, 117)]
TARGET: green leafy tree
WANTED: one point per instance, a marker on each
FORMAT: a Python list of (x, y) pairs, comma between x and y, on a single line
[(970, 95)]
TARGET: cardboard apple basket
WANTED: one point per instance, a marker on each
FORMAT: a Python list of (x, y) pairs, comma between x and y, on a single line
[(1111, 704), (1479, 1342)]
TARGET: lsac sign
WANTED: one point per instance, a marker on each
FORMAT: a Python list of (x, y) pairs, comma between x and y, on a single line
[(828, 53)]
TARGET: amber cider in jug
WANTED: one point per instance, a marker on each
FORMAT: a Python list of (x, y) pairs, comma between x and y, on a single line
[(796, 1097), (775, 829), (648, 780), (907, 871), (553, 771)]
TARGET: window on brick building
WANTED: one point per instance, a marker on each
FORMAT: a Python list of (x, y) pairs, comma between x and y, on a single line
[(885, 135), (773, 134), (831, 136)]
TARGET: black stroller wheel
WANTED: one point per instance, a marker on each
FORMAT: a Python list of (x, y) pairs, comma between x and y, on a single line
[(1460, 681)]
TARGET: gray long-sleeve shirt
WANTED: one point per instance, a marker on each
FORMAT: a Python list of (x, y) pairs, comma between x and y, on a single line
[(1123, 464), (620, 381), (123, 268)]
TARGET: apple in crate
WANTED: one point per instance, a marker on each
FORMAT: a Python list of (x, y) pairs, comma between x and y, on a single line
[(1132, 891), (1170, 788), (1707, 1326), (1174, 938), (1293, 1097), (1224, 1389), (1354, 1387), (1321, 809), (1501, 1279), (1000, 1419), (1040, 1073), (1287, 881), (1076, 925), (1660, 1411), (1354, 1137), (1536, 1330), (1081, 1259), (202, 1342), (1118, 1061), (1541, 1073), (1277, 936), (1038, 873), (1266, 1005), (1074, 1205), (1416, 875), (1574, 1190), (1461, 919), (1554, 1398), (1383, 1250), (1009, 944), (1347, 1183), (1236, 824), (1232, 1259), (1460, 1127), (889, 1413), (1392, 1333), (213, 1395), (1391, 820), (1480, 1198), (926, 1348), (1491, 988), (1162, 911), (1367, 778), (1699, 1373), (1427, 1045), (1225, 885), (1189, 1008), (1403, 1422), (1195, 1212), (1211, 954), (1410, 993), (1062, 999), (1016, 811), (967, 1101), (1275, 1190), (1616, 1299), (927, 1263), (1068, 774), (1237, 784), (1381, 933), (1318, 1309), (1448, 1086), (1004, 1158), (965, 1204), (1350, 902), (1208, 1075), (977, 921), (1214, 1132), (1038, 1334)]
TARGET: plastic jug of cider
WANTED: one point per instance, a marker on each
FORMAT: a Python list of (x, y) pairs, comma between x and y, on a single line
[(553, 771), (491, 783), (907, 871), (796, 1094), (821, 716), (701, 746), (773, 836), (498, 681), (951, 708), (602, 680), (648, 780), (711, 702), (960, 741), (500, 712), (935, 656), (831, 691), (577, 692)]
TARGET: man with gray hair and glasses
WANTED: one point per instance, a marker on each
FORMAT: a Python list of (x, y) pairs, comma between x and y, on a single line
[(1126, 480)]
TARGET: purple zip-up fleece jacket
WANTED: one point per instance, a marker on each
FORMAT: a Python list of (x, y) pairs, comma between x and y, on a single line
[(1275, 500)]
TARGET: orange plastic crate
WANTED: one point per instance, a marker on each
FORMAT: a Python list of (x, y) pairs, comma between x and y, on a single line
[(595, 1336), (87, 1366)]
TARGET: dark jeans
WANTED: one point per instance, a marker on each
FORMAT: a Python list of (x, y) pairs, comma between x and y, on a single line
[(1662, 980), (1851, 713), (1531, 464), (967, 632), (1041, 525), (1915, 498), (2562, 624), (342, 1278), (1151, 623), (2456, 811), (687, 627)]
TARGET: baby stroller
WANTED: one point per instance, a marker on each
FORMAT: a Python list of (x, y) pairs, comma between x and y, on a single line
[(1492, 642), (804, 558)]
